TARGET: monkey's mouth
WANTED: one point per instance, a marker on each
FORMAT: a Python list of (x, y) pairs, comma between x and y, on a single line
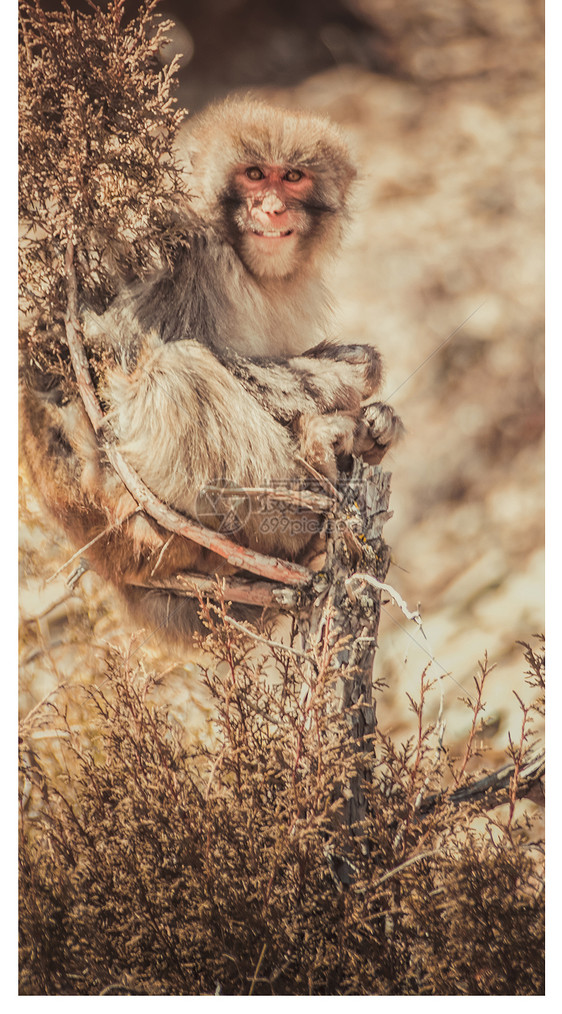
[(271, 233)]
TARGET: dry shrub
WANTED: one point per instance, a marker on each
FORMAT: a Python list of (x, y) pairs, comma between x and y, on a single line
[(97, 123), (155, 867)]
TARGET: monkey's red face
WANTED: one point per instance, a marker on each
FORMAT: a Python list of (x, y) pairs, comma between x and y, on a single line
[(271, 217)]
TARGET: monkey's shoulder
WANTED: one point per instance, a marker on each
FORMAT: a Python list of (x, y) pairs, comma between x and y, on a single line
[(205, 293)]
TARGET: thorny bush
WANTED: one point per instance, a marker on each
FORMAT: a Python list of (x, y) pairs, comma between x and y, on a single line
[(155, 867)]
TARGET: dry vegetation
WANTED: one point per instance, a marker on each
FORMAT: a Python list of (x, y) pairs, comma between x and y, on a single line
[(179, 834), (154, 867)]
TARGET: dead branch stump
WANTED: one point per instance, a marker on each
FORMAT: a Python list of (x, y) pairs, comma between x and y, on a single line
[(346, 611)]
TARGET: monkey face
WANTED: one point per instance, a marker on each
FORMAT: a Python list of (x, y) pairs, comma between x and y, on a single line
[(273, 184), (270, 218)]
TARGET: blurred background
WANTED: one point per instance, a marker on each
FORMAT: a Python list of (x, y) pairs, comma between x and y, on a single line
[(442, 101)]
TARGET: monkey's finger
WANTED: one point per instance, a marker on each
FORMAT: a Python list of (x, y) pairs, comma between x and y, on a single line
[(378, 429)]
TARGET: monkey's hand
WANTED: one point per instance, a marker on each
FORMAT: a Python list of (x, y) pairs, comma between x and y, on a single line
[(325, 440), (378, 428)]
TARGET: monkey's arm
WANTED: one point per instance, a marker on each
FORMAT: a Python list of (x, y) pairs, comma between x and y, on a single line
[(328, 378), (184, 419), (315, 393)]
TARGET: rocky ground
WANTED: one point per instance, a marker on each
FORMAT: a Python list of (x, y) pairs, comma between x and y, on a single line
[(443, 270)]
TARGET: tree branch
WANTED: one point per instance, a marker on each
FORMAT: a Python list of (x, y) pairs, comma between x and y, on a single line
[(256, 593), (494, 788), (348, 624)]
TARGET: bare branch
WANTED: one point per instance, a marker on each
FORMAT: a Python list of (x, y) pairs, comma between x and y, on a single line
[(494, 788), (375, 583), (324, 482), (306, 499), (256, 593)]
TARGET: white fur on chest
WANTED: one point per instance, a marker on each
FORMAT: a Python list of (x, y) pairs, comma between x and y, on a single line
[(278, 319)]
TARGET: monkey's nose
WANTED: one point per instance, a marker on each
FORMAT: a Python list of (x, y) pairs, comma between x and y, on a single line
[(273, 205), (265, 218)]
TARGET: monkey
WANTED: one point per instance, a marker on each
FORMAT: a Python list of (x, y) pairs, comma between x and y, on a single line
[(222, 364)]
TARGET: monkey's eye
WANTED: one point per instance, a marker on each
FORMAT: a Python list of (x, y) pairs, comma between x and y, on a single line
[(293, 175), (254, 173)]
